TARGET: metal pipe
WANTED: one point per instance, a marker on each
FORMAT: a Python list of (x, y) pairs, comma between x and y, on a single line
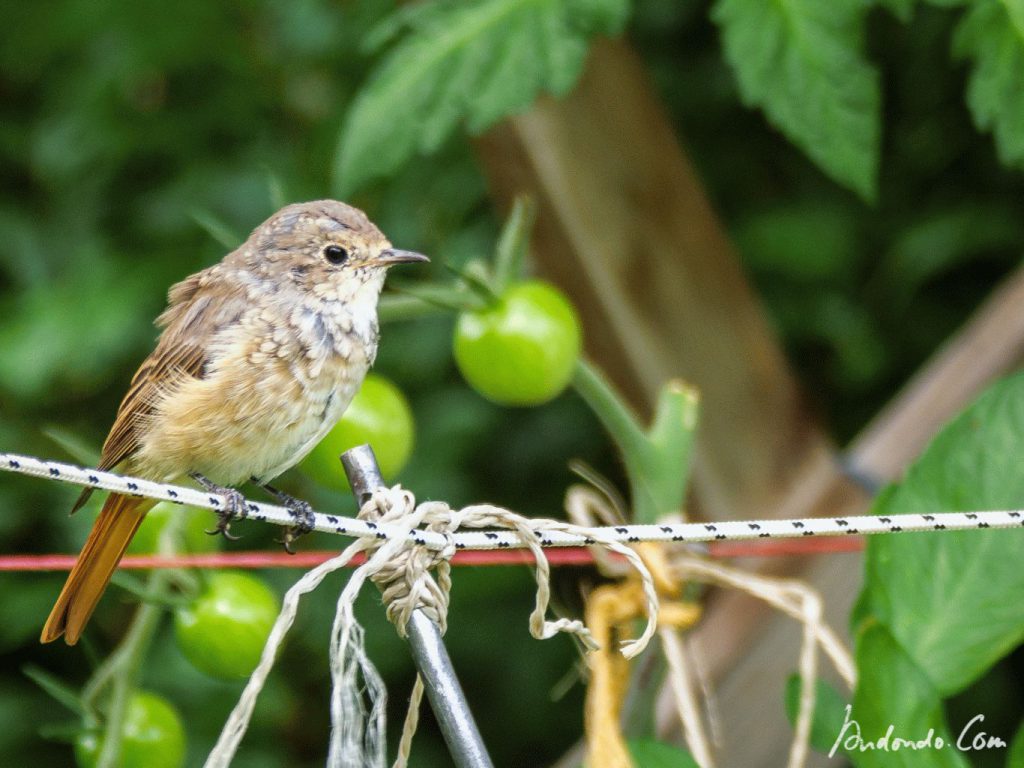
[(428, 651)]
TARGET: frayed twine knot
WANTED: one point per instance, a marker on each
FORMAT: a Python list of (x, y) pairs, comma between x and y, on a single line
[(406, 580), (412, 576)]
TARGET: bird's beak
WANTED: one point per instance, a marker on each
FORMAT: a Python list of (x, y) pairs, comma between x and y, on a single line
[(392, 256)]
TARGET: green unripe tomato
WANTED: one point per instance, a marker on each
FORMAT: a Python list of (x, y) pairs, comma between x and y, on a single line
[(222, 632), (379, 415), (194, 539), (153, 736), (521, 350)]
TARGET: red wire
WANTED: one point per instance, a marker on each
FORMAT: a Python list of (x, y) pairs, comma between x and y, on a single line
[(812, 545), (556, 556)]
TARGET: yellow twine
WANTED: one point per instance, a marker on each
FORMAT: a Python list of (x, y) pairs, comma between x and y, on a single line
[(610, 610)]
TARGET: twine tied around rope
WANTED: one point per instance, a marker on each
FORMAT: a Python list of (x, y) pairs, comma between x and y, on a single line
[(406, 581), (411, 577)]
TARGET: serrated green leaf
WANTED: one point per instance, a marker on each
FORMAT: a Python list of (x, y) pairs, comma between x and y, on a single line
[(952, 599), (992, 33), (829, 708), (385, 31), (894, 700), (598, 17), (802, 62), (471, 63)]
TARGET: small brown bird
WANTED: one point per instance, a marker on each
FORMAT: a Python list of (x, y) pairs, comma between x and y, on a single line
[(258, 359)]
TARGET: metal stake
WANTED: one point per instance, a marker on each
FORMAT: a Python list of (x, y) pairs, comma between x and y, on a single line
[(428, 651)]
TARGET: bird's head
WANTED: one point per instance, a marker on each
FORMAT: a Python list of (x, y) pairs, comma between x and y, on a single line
[(323, 247)]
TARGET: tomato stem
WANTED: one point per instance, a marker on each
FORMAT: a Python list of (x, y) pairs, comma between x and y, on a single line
[(396, 307), (512, 243), (480, 286), (657, 460)]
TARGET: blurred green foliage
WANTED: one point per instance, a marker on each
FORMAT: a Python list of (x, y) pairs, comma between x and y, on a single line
[(463, 62), (933, 654), (940, 635), (861, 294), (130, 132), (802, 62)]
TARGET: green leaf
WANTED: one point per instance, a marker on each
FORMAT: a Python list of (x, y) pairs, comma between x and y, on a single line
[(217, 229), (802, 62), (389, 28), (54, 686), (992, 33), (829, 711), (27, 596), (466, 62), (943, 240), (647, 753), (76, 446), (901, 9), (810, 240), (892, 692), (275, 191), (1016, 756), (952, 599)]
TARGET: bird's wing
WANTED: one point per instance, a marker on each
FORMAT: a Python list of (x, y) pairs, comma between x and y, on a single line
[(167, 363), (181, 351)]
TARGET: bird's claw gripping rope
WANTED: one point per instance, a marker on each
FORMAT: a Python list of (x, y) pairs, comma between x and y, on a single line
[(301, 511), (232, 506), (304, 521)]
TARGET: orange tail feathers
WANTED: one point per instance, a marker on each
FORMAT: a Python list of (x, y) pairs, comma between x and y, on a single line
[(109, 538)]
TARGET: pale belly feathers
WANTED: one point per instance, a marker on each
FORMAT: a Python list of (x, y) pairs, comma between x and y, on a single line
[(277, 382)]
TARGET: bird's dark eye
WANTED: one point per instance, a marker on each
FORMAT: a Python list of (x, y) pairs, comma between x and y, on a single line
[(336, 254)]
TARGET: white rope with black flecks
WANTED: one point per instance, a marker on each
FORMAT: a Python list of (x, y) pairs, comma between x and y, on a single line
[(551, 536)]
